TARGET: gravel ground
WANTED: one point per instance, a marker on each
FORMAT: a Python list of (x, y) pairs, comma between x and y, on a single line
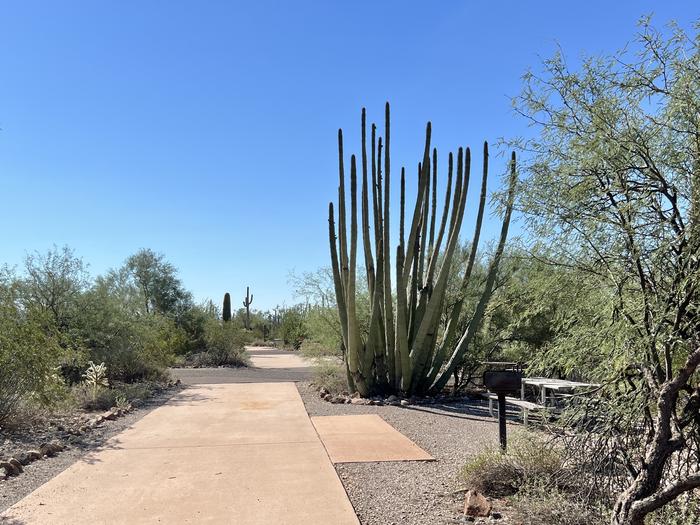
[(414, 492), (39, 472)]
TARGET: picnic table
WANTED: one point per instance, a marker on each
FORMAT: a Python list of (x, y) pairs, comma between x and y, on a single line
[(562, 387)]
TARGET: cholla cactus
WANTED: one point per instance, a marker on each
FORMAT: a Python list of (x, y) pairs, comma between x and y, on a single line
[(95, 377)]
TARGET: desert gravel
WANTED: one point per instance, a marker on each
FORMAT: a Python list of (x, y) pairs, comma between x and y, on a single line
[(415, 492)]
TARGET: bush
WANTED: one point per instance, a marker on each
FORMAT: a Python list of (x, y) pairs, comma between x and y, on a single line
[(312, 350), (225, 346), (88, 399), (28, 360), (330, 375), (529, 460), (543, 505)]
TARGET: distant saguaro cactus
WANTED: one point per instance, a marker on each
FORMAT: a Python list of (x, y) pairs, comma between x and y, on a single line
[(247, 302), (227, 307)]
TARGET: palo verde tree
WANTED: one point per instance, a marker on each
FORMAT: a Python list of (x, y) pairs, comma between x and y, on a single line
[(613, 186), (404, 348)]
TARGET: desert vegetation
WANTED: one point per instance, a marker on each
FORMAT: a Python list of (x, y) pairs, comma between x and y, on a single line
[(67, 337)]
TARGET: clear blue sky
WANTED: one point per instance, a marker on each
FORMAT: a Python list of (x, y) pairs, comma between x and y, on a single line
[(206, 130)]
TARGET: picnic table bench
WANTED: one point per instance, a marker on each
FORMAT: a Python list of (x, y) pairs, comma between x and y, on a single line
[(525, 406)]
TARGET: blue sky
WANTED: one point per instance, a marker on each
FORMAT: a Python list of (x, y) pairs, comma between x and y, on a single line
[(206, 130)]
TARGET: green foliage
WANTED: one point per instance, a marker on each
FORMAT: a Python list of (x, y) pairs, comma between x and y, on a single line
[(224, 346), (29, 356), (293, 328)]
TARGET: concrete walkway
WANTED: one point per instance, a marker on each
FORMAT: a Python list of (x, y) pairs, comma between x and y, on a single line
[(269, 365), (217, 453)]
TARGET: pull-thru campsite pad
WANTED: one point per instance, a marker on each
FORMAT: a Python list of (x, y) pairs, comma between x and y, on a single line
[(235, 453), (365, 438)]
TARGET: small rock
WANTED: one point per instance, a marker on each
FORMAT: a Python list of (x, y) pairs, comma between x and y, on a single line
[(15, 463), (323, 391), (10, 469), (23, 458), (34, 455), (109, 415), (136, 402), (50, 449), (496, 515), (405, 402), (356, 395), (391, 399), (475, 504)]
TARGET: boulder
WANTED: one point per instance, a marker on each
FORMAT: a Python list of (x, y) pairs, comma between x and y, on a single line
[(476, 504)]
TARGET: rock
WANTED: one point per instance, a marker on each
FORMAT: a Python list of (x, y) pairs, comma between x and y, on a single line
[(405, 402), (109, 415), (323, 391), (360, 401), (50, 449), (328, 397), (496, 515), (337, 400), (136, 402), (391, 399), (23, 458), (356, 395), (10, 469), (15, 463), (34, 455), (475, 504)]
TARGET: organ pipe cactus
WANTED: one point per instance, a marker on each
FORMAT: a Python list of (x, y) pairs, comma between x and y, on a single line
[(247, 301), (405, 350), (227, 307)]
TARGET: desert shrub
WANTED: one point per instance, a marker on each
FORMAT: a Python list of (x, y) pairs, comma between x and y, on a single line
[(330, 375), (683, 511), (293, 328), (313, 349), (537, 504), (87, 398), (225, 346), (528, 461), (28, 357)]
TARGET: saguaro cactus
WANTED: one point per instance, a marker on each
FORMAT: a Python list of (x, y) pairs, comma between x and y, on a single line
[(247, 301), (227, 307), (405, 349)]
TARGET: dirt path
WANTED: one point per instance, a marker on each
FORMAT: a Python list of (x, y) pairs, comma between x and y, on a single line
[(214, 453)]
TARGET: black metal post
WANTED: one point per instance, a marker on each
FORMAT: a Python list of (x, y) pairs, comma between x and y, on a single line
[(502, 419)]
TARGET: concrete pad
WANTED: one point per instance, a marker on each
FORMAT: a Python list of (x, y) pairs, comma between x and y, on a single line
[(237, 453), (365, 438), (272, 358)]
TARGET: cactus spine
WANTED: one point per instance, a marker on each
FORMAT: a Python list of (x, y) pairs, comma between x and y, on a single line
[(227, 307), (405, 349), (247, 301)]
